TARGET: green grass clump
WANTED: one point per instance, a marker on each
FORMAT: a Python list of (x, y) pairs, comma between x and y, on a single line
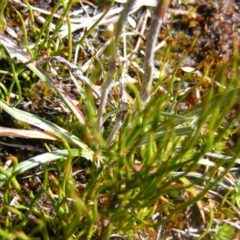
[(128, 151)]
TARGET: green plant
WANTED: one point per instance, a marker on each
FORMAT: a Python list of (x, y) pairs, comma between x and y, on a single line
[(223, 232), (144, 154)]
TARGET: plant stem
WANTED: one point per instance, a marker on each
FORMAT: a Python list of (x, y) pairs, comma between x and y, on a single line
[(156, 25), (112, 62)]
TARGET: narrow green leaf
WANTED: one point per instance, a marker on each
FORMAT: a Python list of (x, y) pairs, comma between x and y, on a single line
[(43, 159)]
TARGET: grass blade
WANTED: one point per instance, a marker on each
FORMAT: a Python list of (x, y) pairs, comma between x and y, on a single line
[(45, 125), (43, 159)]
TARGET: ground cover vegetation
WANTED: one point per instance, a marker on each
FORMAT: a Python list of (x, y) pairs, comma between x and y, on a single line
[(119, 119)]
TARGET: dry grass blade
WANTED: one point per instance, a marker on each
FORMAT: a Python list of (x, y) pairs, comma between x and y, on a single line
[(19, 133), (47, 126)]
